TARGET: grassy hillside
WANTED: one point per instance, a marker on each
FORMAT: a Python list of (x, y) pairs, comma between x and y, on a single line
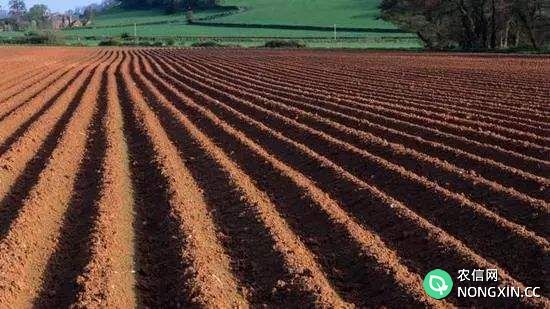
[(118, 16), (317, 13), (181, 29), (344, 13)]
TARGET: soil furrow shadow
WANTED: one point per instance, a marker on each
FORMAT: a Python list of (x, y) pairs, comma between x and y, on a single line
[(12, 202), (73, 252), (41, 111), (36, 93), (350, 271), (254, 262), (159, 243), (400, 231), (415, 193)]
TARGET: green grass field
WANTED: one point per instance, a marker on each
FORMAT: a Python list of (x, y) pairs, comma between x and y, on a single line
[(5, 34), (117, 16), (343, 13), (324, 13), (183, 29)]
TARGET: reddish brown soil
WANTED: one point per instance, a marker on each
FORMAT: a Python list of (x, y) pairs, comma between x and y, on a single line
[(247, 178)]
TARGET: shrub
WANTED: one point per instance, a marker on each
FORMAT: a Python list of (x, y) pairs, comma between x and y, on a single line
[(284, 44), (110, 42), (206, 44), (35, 37), (170, 42), (125, 36)]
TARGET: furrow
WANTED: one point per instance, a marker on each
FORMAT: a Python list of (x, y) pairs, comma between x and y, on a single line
[(73, 251), (425, 197), (489, 169), (508, 202), (23, 89), (298, 271), (21, 163), (512, 128), (30, 69), (19, 84), (108, 279), (200, 273), (381, 105), (14, 126), (7, 81), (457, 72), (391, 85), (519, 161), (287, 72), (34, 234), (36, 91), (294, 187), (416, 241)]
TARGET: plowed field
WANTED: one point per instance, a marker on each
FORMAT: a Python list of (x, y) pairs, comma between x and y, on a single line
[(236, 178)]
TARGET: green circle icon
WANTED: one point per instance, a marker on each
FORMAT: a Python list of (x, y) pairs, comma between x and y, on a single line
[(438, 284)]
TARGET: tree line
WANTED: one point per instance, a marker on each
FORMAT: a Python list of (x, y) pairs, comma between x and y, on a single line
[(171, 5), (39, 16), (19, 17), (472, 24)]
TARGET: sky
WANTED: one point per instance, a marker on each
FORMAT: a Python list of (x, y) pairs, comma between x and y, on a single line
[(54, 5)]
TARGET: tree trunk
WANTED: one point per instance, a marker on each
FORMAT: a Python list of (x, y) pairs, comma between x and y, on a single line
[(506, 34), (427, 43), (483, 41), (493, 25), (530, 31), (468, 24), (531, 35)]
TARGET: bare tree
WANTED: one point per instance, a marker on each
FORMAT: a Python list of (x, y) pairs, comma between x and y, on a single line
[(471, 24)]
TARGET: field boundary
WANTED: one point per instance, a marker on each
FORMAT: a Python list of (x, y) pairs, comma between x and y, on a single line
[(297, 27)]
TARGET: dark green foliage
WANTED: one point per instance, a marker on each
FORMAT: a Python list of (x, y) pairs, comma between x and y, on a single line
[(170, 42), (171, 6), (144, 43), (110, 42), (37, 37), (284, 44), (206, 44), (38, 12), (213, 44)]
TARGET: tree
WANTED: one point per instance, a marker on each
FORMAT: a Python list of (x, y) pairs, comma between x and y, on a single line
[(530, 16), (170, 5), (470, 24), (423, 18), (39, 14), (173, 6), (17, 8), (88, 15), (107, 4)]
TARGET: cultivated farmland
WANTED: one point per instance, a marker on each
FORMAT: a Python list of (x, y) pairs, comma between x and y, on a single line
[(236, 178)]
